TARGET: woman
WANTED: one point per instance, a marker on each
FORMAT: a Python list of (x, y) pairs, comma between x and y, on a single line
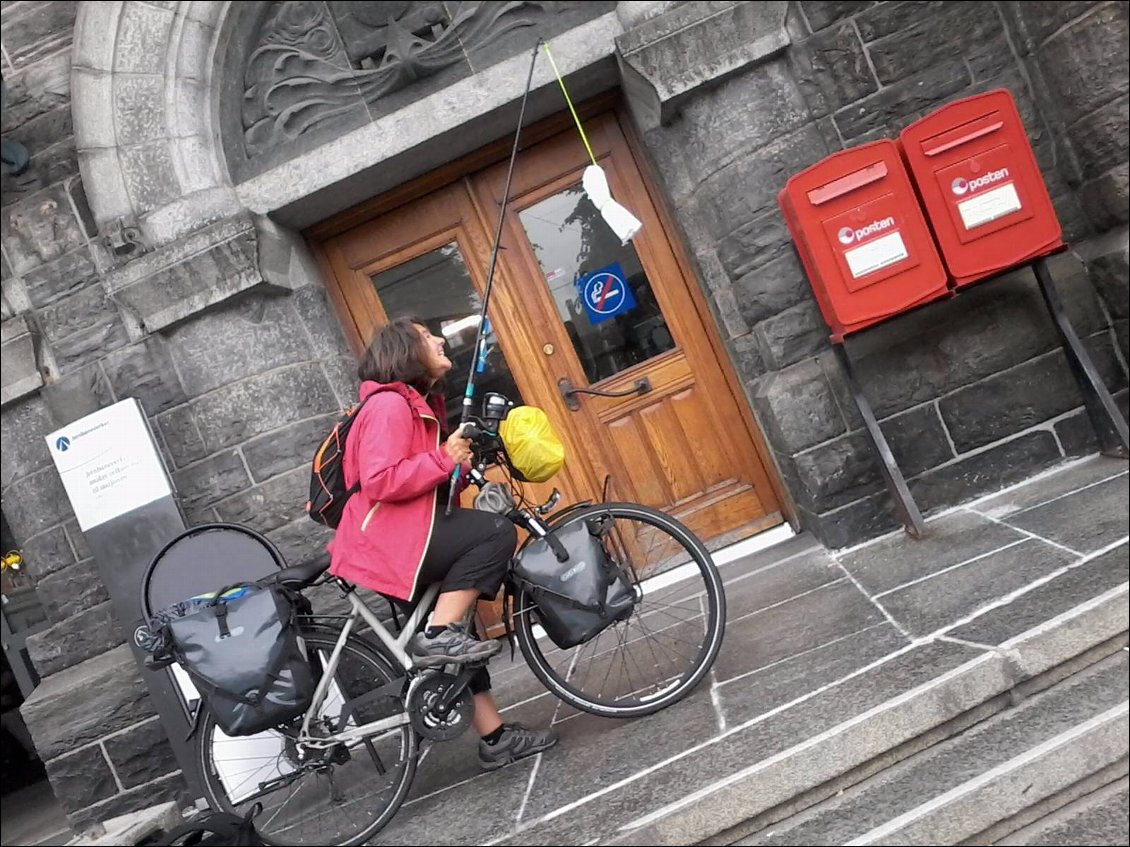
[(394, 537)]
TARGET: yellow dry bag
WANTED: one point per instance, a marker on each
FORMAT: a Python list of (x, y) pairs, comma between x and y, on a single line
[(534, 449)]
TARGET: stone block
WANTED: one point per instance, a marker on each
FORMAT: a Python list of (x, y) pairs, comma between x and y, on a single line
[(35, 502), (1108, 265), (933, 39), (833, 66), (78, 394), (1041, 20), (64, 276), (82, 637), (35, 30), (46, 553), (744, 189), (81, 778), (755, 244), (260, 404), (170, 788), (141, 754), (902, 102), (143, 39), (82, 327), (78, 540), (181, 436), (796, 408), (301, 541), (822, 13), (341, 371), (1024, 396), (857, 521), (747, 359), (1084, 65), (770, 290), (207, 482), (271, 505), (195, 272), (989, 470), (243, 338), (1100, 138), (917, 439), (692, 45), (739, 116), (37, 89), (23, 426), (139, 108), (19, 366), (146, 371), (322, 324), (149, 175), (1105, 199), (791, 335), (39, 228), (44, 131), (883, 19), (1076, 434), (286, 448), (71, 590), (835, 473)]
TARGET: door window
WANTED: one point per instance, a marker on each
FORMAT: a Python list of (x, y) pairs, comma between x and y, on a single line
[(602, 294), (436, 288)]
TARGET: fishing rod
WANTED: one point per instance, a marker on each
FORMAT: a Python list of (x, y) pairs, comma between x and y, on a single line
[(478, 359)]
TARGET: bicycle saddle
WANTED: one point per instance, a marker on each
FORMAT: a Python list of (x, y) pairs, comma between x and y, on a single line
[(300, 576)]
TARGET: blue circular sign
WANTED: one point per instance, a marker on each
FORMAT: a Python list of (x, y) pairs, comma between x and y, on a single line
[(62, 444), (605, 293)]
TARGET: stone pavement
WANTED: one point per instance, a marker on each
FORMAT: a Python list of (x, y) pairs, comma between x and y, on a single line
[(831, 659)]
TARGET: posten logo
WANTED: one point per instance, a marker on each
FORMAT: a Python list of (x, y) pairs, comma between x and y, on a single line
[(846, 235), (62, 444), (959, 186)]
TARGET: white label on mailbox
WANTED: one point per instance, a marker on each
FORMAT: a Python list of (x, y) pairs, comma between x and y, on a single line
[(873, 255), (980, 210)]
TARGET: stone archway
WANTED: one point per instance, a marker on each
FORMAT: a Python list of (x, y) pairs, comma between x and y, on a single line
[(143, 113)]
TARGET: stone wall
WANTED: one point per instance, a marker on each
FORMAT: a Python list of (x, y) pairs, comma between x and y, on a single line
[(226, 337), (972, 393)]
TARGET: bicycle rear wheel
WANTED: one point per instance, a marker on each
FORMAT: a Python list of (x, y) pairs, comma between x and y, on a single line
[(665, 647), (346, 795)]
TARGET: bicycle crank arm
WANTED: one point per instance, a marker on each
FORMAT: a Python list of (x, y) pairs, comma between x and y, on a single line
[(445, 704)]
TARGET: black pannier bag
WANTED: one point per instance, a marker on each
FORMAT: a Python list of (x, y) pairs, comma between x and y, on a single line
[(241, 648), (581, 596)]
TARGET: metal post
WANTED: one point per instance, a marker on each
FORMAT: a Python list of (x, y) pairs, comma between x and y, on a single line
[(904, 501), (1108, 422)]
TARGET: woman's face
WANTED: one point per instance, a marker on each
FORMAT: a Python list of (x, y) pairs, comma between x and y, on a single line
[(436, 359)]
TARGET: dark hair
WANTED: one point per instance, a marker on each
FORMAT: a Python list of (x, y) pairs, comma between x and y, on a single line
[(397, 353)]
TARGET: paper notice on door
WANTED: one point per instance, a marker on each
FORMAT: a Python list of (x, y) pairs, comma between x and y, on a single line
[(980, 210), (873, 255)]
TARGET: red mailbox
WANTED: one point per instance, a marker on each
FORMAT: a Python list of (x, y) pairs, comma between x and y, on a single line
[(981, 186), (862, 238)]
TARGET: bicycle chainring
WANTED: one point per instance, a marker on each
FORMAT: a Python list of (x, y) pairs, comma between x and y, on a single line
[(425, 695)]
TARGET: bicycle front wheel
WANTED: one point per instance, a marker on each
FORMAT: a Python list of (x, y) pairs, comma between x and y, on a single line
[(664, 648), (341, 795)]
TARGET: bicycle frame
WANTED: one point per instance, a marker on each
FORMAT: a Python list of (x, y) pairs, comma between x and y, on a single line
[(396, 647)]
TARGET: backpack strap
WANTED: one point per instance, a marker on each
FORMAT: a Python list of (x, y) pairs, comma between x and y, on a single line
[(223, 825)]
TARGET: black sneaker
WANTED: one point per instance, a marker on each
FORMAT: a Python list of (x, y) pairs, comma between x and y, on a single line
[(516, 743), (452, 646)]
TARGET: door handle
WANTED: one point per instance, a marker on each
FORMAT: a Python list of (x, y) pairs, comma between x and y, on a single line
[(641, 386)]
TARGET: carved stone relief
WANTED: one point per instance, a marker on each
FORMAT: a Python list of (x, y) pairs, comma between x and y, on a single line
[(312, 66)]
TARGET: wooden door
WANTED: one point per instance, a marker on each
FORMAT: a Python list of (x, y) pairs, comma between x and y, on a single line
[(686, 444), (612, 318)]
